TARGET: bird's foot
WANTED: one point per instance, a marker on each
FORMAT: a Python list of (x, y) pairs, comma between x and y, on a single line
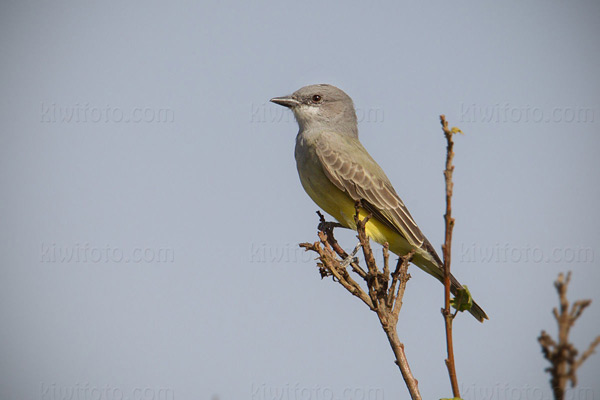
[(351, 258)]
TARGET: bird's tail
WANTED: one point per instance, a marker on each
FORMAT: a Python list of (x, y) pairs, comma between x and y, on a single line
[(433, 266)]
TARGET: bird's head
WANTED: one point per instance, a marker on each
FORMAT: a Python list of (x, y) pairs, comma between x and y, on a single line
[(322, 107)]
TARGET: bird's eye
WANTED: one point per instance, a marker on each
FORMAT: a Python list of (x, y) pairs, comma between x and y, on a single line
[(317, 98)]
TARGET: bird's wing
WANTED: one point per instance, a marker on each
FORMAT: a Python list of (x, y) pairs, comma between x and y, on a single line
[(357, 174)]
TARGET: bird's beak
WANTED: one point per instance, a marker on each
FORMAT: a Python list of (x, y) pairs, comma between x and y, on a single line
[(286, 101)]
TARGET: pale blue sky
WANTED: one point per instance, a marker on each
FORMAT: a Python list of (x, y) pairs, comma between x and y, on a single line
[(199, 191)]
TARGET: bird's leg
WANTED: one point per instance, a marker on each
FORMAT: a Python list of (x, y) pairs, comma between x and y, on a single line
[(351, 257)]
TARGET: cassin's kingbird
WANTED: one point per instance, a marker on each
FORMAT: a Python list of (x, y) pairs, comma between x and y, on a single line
[(336, 170)]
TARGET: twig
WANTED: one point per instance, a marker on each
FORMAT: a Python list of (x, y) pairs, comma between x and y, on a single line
[(563, 355), (383, 298), (333, 266), (446, 248), (327, 228), (402, 276), (590, 350)]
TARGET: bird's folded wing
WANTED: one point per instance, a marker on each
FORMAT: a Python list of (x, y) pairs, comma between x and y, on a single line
[(369, 184)]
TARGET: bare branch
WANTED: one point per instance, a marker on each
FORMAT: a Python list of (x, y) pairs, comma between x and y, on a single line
[(562, 354), (591, 350), (402, 276), (332, 265), (447, 250), (327, 228), (578, 308), (381, 297)]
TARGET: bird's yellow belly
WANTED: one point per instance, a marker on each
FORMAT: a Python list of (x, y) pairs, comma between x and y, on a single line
[(341, 206)]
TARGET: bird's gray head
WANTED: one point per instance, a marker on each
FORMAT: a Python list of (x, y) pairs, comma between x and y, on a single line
[(322, 107)]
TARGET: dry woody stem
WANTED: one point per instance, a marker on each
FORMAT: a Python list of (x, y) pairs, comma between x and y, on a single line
[(446, 249), (382, 291), (562, 355)]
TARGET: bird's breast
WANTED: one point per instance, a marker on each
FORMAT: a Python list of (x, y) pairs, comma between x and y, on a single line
[(318, 186)]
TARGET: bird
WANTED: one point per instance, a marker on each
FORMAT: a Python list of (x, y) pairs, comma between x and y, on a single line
[(336, 171)]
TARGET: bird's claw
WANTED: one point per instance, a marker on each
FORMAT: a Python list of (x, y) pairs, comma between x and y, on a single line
[(351, 258)]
